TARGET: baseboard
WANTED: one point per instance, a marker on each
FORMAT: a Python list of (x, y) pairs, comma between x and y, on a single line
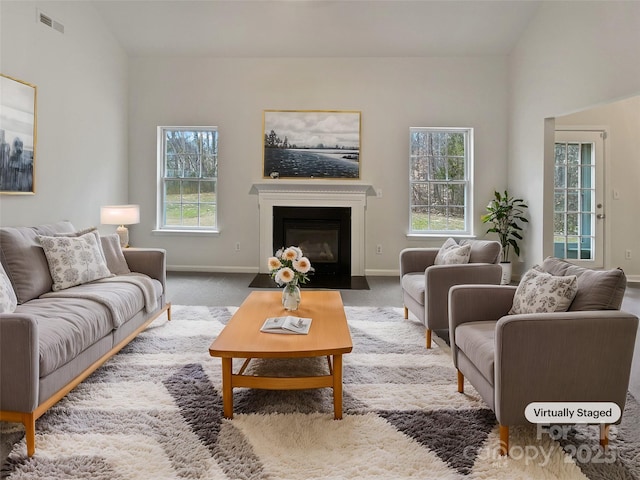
[(211, 269), (375, 272)]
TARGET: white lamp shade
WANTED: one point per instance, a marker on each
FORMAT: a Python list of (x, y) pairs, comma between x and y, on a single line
[(120, 214)]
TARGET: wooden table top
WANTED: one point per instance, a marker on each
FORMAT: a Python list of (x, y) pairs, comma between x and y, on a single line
[(329, 333)]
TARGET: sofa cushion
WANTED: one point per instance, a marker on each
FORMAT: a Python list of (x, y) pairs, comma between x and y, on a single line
[(452, 254), (116, 263), (66, 327), (413, 284), (541, 292), (25, 261), (484, 251), (597, 289), (74, 260), (477, 341), (8, 300)]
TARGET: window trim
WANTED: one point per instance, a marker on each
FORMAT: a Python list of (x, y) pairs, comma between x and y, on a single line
[(467, 182), (161, 228)]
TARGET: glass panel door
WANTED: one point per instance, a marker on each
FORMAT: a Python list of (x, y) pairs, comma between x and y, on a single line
[(578, 201)]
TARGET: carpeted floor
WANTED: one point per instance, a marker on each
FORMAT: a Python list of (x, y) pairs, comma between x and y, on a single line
[(154, 411)]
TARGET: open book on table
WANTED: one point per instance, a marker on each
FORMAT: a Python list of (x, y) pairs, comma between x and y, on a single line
[(288, 324)]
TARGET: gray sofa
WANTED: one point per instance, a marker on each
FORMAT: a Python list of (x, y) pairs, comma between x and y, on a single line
[(581, 352), (57, 335)]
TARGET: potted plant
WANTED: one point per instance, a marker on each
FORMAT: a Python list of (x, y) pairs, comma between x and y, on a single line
[(504, 214)]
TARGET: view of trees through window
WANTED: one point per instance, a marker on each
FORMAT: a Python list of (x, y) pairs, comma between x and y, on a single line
[(438, 180), (190, 173)]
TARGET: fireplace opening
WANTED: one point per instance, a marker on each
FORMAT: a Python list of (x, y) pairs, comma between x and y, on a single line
[(322, 233)]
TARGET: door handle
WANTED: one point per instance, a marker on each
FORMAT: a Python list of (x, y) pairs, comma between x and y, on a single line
[(600, 216)]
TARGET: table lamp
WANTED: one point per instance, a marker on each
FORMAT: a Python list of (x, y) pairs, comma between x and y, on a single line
[(120, 215)]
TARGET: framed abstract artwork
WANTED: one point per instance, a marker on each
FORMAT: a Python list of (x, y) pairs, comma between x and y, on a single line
[(17, 136), (311, 144)]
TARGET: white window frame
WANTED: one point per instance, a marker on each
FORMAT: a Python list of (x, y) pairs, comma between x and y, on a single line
[(162, 178), (466, 182)]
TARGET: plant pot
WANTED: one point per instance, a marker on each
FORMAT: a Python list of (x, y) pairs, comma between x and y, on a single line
[(506, 273)]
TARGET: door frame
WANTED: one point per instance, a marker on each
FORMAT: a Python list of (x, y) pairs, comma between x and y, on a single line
[(606, 198)]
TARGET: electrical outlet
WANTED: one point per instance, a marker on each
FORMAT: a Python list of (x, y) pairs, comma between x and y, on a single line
[(237, 246), (379, 193), (627, 254), (378, 249)]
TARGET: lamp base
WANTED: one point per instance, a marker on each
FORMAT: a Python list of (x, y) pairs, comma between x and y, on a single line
[(123, 233)]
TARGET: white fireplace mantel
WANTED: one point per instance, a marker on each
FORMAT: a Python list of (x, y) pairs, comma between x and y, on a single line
[(282, 193)]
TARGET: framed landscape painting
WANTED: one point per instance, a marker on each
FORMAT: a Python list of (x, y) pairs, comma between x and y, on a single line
[(17, 135), (311, 144)]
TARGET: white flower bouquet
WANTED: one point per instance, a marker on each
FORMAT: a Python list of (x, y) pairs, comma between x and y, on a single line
[(290, 267)]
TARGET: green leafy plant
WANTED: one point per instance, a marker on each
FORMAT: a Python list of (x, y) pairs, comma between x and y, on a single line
[(504, 214)]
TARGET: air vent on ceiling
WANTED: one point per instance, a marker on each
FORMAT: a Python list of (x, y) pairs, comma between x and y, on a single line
[(50, 22)]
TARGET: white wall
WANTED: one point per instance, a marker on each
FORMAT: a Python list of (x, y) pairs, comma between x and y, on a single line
[(392, 94), (622, 165), (81, 77), (573, 55)]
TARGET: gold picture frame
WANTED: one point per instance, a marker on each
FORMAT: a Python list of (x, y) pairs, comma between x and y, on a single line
[(309, 144), (18, 136)]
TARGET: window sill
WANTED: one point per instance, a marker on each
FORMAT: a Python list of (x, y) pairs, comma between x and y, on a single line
[(169, 232)]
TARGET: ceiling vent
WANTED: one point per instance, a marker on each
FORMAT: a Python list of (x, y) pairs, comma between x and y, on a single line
[(47, 20)]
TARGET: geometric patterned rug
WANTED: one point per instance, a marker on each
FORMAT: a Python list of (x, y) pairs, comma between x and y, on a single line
[(154, 411)]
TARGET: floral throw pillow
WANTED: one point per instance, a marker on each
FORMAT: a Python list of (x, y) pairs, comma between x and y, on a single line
[(451, 253), (74, 260), (8, 299), (540, 292)]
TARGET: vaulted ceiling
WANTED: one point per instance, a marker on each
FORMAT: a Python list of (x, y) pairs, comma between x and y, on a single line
[(316, 28)]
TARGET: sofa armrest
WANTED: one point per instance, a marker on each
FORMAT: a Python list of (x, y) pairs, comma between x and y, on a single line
[(19, 362), (417, 259), (569, 356), (150, 261), (440, 278)]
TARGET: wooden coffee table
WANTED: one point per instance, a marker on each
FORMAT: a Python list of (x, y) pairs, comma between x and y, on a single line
[(329, 336)]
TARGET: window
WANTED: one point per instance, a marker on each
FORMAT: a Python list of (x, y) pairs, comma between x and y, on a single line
[(188, 171), (440, 169)]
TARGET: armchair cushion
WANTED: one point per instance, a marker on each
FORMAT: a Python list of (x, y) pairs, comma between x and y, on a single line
[(484, 251), (477, 341), (413, 285), (452, 254), (540, 292), (597, 289)]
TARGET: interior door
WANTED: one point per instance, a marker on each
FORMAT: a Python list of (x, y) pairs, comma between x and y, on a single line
[(579, 212)]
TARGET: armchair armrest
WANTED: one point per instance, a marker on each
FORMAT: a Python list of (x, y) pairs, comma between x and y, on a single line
[(19, 362), (417, 259), (477, 303), (580, 356), (150, 261), (440, 278)]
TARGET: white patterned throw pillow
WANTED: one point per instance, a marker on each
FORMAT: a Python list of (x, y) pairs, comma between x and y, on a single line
[(8, 299), (541, 292), (74, 260), (452, 254)]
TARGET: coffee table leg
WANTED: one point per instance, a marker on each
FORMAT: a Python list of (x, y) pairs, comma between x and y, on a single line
[(337, 387), (227, 388)]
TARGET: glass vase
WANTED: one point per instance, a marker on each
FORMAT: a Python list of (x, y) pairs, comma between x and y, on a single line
[(291, 297)]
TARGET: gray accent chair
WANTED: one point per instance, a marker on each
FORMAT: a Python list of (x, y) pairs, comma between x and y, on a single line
[(581, 355), (425, 286)]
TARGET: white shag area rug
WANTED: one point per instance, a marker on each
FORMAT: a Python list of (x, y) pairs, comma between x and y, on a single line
[(154, 411)]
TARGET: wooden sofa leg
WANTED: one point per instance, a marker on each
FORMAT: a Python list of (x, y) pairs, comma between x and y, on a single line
[(460, 382), (406, 313), (428, 338), (504, 440), (169, 312), (29, 422), (604, 435)]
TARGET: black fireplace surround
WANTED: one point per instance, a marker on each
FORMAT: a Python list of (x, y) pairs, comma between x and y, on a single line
[(322, 233)]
